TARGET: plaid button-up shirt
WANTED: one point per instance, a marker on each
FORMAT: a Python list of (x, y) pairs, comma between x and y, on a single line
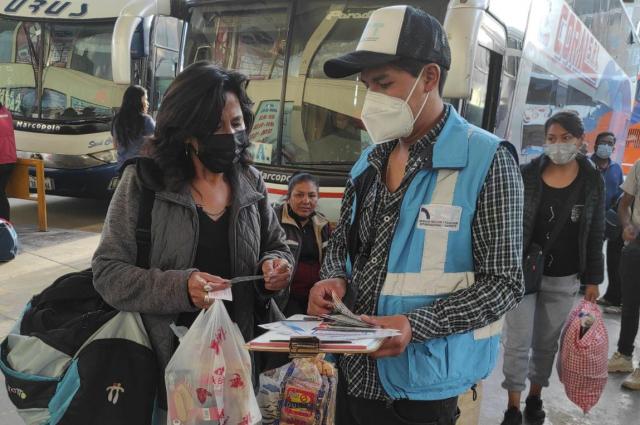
[(497, 253)]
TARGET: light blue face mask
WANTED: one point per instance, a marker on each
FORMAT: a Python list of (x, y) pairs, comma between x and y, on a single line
[(604, 151)]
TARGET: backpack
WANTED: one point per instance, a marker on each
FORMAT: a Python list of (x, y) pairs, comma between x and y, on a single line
[(8, 241), (73, 359)]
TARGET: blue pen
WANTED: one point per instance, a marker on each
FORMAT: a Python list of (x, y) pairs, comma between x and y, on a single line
[(293, 327)]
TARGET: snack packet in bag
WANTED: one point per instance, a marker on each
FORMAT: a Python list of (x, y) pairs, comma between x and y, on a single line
[(208, 378), (582, 360), (302, 392)]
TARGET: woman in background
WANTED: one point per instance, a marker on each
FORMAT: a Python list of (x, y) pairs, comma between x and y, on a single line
[(132, 124)]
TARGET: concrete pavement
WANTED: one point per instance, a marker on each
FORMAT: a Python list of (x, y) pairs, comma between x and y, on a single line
[(69, 246)]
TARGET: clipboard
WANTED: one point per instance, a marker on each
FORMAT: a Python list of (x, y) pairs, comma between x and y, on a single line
[(300, 346)]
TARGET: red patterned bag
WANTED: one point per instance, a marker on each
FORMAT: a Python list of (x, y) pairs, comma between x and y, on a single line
[(582, 361)]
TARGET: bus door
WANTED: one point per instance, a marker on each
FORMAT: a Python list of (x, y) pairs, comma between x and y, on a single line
[(475, 82), (165, 36)]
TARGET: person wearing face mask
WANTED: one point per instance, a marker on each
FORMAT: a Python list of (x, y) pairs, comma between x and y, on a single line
[(211, 219), (612, 174), (429, 240), (564, 218)]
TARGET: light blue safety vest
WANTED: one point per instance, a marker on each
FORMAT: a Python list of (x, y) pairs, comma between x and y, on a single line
[(431, 256)]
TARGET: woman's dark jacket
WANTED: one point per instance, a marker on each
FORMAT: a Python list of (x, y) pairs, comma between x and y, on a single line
[(591, 221), (160, 293), (294, 233)]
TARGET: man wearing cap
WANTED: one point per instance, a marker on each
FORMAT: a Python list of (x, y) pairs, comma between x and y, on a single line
[(430, 232)]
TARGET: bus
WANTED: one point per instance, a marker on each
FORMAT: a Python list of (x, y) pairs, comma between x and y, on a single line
[(512, 68), (64, 66), (632, 143)]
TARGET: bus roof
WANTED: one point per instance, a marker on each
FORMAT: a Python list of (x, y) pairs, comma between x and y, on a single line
[(83, 9)]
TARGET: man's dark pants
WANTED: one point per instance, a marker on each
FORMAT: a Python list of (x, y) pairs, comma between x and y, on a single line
[(630, 279), (614, 252), (359, 411)]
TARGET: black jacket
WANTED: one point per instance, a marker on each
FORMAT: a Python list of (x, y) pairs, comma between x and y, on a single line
[(293, 233), (591, 222)]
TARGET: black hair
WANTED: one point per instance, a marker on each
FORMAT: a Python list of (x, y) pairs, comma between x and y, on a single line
[(301, 177), (413, 67), (192, 108), (128, 124), (568, 120), (605, 134)]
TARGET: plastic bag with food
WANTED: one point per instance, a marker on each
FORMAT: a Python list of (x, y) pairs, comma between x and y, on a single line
[(209, 376), (302, 392)]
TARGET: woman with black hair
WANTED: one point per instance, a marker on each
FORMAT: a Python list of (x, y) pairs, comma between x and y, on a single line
[(307, 233), (563, 219), (8, 157), (132, 124), (211, 220)]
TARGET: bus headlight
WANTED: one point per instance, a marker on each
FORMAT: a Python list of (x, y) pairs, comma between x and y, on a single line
[(110, 156)]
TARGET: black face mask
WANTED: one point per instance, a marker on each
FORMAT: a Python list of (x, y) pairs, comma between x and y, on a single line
[(218, 152)]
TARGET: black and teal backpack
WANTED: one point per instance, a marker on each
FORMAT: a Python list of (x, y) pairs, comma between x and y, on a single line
[(72, 359)]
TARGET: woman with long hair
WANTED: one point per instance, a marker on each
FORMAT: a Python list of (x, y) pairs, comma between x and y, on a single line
[(211, 219), (132, 123), (563, 219)]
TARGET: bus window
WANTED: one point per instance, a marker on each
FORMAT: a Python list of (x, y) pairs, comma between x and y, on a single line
[(7, 30), (324, 126), (166, 55), (250, 39), (17, 89)]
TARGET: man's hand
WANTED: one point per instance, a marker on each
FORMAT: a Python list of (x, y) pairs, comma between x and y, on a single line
[(591, 293), (629, 233), (276, 274), (395, 345), (320, 299)]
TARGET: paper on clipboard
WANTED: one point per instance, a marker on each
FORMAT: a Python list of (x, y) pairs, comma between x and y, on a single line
[(274, 341)]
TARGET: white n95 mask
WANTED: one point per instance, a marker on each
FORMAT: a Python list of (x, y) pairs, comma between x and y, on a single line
[(387, 117)]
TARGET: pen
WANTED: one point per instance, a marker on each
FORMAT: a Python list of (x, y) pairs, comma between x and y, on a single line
[(321, 342)]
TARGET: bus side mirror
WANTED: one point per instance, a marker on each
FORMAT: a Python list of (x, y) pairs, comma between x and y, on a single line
[(123, 39)]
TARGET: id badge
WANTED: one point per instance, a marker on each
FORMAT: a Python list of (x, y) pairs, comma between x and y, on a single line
[(439, 217)]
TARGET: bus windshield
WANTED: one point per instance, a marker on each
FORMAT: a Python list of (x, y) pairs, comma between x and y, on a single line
[(303, 118), (56, 71)]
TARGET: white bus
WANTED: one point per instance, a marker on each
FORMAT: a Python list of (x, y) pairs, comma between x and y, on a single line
[(64, 66), (515, 62)]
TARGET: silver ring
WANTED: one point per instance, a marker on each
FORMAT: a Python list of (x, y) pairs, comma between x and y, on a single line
[(208, 288), (208, 299)]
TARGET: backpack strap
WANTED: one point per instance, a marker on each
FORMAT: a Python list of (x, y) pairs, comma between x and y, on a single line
[(143, 228)]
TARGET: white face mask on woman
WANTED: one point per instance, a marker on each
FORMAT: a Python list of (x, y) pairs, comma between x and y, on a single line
[(561, 153), (387, 117)]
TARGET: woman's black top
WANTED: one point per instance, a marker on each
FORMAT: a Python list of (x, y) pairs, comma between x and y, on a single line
[(213, 255), (563, 258)]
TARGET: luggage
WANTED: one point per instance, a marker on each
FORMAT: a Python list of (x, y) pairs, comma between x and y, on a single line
[(72, 359), (8, 241), (582, 361)]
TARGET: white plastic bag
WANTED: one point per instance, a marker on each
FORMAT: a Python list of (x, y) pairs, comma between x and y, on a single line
[(209, 376), (302, 392)]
